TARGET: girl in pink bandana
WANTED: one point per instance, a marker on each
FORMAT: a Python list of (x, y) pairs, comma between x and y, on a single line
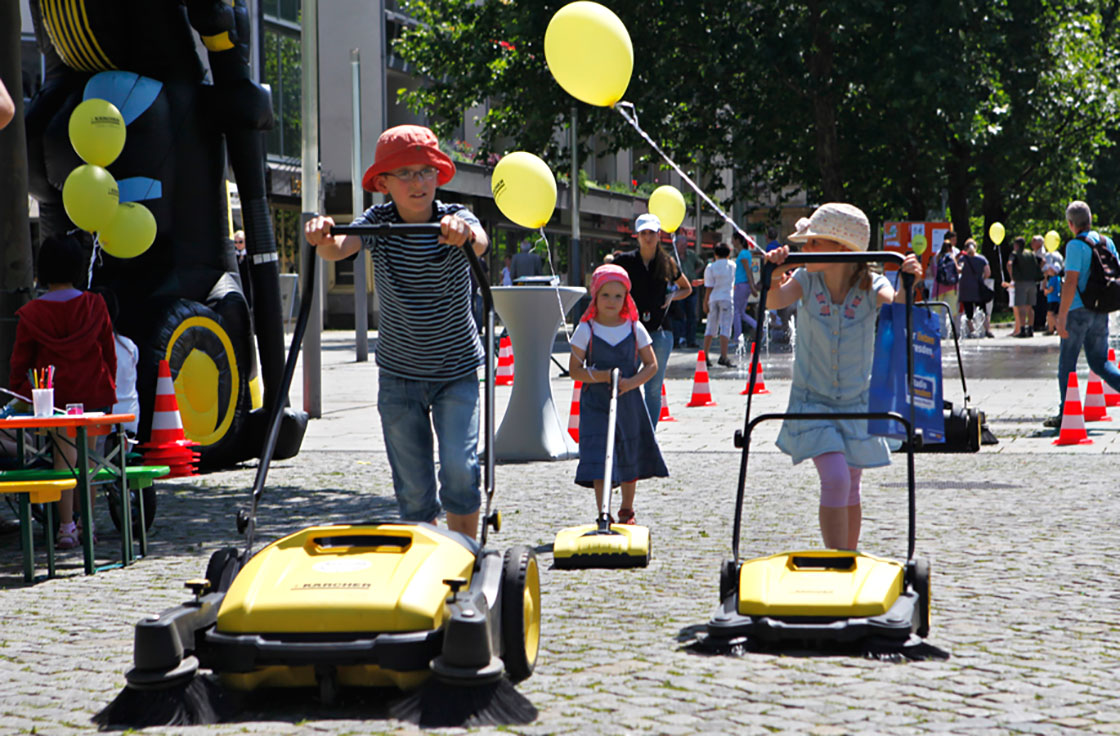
[(610, 335)]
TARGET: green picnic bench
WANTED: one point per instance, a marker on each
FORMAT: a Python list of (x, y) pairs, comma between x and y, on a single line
[(137, 477)]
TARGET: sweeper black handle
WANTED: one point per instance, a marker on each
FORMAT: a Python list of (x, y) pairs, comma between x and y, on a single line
[(608, 459), (743, 437), (488, 520), (956, 341)]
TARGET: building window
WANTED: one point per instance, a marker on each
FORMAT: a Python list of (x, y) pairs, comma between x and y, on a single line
[(282, 9), (282, 53)]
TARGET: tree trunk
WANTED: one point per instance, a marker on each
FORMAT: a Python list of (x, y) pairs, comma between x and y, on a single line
[(15, 235), (821, 61), (957, 168)]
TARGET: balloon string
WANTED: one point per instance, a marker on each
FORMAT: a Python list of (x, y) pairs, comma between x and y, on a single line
[(93, 257), (555, 278), (626, 110)]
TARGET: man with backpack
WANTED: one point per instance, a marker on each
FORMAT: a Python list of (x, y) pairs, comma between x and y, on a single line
[(1090, 291)]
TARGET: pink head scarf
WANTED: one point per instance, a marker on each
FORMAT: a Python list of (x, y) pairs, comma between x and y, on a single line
[(604, 275)]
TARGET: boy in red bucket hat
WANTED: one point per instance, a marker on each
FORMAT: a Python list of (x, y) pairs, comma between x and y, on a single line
[(428, 349)]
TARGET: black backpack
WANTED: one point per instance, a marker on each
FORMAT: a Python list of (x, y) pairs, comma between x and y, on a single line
[(1102, 290), (947, 273)]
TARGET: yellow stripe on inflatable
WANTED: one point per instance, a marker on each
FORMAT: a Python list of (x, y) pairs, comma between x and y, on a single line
[(227, 416), (103, 57), (218, 42)]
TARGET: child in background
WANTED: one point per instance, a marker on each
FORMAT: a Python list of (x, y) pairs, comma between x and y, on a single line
[(1052, 288), (838, 306), (70, 330), (719, 282), (428, 349), (610, 335), (128, 357)]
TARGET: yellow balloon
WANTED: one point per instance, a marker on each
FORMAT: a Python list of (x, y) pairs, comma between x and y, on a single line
[(131, 232), (97, 131), (1052, 241), (90, 197), (524, 189), (589, 53), (918, 244), (996, 233), (668, 204)]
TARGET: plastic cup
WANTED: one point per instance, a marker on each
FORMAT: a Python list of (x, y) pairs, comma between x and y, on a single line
[(42, 402), (75, 408)]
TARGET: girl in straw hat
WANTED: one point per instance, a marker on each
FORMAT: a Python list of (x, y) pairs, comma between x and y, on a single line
[(837, 308), (610, 335)]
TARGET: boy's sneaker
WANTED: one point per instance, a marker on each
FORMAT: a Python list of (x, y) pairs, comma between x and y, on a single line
[(1053, 422)]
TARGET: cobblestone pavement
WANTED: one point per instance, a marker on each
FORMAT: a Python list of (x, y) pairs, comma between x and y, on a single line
[(1021, 538)]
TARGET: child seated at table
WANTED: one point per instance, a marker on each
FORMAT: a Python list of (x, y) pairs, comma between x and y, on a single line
[(70, 330)]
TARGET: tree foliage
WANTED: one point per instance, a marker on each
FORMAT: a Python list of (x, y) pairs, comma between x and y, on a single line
[(999, 108)]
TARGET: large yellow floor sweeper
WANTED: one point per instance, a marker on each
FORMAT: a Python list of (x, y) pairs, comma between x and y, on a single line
[(821, 596), (372, 603)]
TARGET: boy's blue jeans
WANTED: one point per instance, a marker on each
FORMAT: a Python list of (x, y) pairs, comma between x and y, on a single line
[(409, 409), (662, 344), (1089, 329)]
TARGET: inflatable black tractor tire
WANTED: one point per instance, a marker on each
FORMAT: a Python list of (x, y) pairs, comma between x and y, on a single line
[(208, 351)]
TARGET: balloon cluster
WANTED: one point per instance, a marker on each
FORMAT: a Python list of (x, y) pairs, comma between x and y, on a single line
[(589, 53), (90, 195)]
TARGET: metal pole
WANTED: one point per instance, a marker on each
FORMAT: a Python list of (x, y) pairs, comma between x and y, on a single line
[(699, 224), (361, 298), (575, 262), (309, 117)]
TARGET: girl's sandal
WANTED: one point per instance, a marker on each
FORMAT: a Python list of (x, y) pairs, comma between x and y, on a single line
[(626, 516), (67, 536)]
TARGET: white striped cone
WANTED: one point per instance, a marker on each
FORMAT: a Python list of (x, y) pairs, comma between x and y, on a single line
[(701, 391), (573, 414), (1111, 395), (1095, 410), (167, 424), (505, 363), (1073, 420), (664, 416)]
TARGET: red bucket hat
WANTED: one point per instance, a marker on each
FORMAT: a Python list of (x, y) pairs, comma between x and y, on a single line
[(406, 145)]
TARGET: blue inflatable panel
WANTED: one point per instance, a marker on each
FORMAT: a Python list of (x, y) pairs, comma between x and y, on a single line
[(130, 92), (139, 188)]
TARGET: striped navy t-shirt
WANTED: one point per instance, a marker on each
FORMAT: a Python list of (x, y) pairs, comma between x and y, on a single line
[(426, 330)]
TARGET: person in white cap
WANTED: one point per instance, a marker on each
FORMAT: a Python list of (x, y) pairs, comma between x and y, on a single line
[(838, 305), (652, 270)]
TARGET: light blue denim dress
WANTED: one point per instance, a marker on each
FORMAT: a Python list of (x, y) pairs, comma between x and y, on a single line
[(831, 373)]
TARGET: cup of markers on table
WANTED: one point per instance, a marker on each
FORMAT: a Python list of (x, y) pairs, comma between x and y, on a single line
[(42, 391)]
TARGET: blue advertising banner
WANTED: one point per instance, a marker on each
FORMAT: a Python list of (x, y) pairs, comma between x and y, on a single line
[(888, 375)]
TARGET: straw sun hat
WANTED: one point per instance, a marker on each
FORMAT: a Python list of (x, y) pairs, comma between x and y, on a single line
[(844, 223)]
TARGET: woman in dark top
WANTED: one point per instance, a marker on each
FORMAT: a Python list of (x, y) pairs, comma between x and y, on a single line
[(651, 272)]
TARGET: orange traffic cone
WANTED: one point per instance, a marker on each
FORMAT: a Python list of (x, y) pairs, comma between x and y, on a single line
[(573, 413), (1073, 421), (167, 424), (505, 363), (1111, 395), (701, 392), (167, 444), (1095, 410), (664, 415), (760, 380)]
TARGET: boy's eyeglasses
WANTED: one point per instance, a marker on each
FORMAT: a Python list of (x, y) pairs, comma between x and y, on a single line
[(428, 173)]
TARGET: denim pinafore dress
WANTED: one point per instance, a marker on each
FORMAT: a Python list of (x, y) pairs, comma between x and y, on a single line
[(832, 373), (636, 454)]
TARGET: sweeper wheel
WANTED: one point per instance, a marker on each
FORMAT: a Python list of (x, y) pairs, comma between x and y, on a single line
[(920, 580), (521, 612), (222, 569)]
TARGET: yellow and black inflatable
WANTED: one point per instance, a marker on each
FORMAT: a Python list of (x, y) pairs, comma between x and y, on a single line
[(183, 298)]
